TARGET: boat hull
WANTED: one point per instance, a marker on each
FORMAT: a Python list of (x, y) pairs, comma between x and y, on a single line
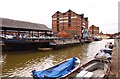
[(92, 67), (61, 70), (20, 45)]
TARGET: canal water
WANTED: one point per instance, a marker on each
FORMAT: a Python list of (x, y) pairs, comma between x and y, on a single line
[(22, 63)]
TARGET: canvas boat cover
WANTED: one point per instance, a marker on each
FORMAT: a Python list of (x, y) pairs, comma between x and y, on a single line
[(106, 49), (56, 71)]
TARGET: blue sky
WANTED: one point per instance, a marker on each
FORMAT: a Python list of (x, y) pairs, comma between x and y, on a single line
[(102, 13)]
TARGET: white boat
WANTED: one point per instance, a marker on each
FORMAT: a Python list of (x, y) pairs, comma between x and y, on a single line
[(94, 69), (109, 45), (107, 50)]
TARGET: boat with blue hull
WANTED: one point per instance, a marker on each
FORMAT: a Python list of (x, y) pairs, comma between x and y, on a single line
[(61, 70)]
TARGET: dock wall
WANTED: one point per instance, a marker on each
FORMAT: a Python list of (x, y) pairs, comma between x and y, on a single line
[(115, 61)]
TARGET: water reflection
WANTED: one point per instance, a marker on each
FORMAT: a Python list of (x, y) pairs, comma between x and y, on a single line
[(22, 63)]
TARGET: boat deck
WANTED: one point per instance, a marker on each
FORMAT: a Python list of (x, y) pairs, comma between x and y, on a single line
[(98, 73)]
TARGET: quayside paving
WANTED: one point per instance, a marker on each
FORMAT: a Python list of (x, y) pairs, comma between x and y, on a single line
[(114, 62)]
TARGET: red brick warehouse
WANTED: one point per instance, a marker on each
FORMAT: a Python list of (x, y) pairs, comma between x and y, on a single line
[(70, 22), (94, 30)]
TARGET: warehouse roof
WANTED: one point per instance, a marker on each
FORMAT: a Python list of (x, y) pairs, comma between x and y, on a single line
[(22, 25)]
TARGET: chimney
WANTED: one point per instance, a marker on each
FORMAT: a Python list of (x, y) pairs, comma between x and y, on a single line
[(81, 15), (86, 18)]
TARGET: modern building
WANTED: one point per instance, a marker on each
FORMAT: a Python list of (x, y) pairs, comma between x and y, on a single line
[(94, 30), (70, 22)]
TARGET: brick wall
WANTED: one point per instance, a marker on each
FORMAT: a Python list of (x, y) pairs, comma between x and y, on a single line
[(69, 21), (94, 30)]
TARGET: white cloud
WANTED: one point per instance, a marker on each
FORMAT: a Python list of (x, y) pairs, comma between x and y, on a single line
[(99, 12)]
